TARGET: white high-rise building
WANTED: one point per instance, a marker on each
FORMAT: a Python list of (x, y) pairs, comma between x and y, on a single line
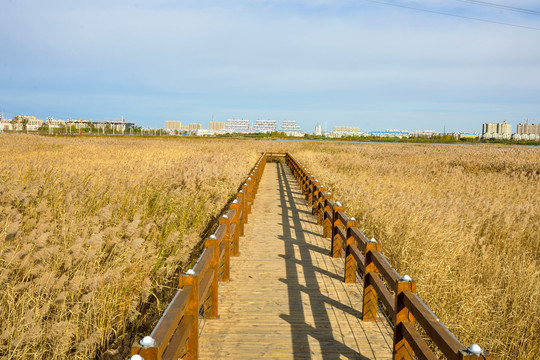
[(237, 125), (265, 125), (318, 130), (290, 126)]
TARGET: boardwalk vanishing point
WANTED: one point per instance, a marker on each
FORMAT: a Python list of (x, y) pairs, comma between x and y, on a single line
[(286, 298)]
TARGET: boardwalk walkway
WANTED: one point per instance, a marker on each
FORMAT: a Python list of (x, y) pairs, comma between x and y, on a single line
[(286, 298)]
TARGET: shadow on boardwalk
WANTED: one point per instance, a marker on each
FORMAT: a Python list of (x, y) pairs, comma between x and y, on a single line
[(300, 330)]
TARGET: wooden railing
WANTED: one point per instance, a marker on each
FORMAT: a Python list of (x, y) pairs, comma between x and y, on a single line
[(176, 335), (382, 283)]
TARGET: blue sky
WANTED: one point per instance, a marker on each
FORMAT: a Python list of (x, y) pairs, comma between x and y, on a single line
[(356, 63)]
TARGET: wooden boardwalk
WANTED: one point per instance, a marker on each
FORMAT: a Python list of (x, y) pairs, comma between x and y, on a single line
[(286, 298)]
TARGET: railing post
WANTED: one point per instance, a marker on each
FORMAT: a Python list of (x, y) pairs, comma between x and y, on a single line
[(192, 309), (312, 197), (337, 241), (309, 186), (242, 209), (213, 244), (227, 239), (257, 174), (303, 180), (350, 261), (326, 221), (369, 308), (252, 183), (402, 349), (236, 234), (247, 197), (321, 205), (305, 184)]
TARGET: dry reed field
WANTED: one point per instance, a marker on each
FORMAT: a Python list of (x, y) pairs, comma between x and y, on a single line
[(93, 230), (463, 221)]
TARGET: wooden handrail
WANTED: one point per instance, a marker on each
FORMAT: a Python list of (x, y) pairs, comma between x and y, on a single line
[(341, 232), (404, 306), (385, 269), (176, 334), (201, 266), (341, 216), (358, 257), (360, 238)]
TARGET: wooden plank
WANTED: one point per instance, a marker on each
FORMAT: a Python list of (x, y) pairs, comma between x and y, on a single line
[(286, 297)]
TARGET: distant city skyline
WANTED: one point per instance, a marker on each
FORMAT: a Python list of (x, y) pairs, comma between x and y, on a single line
[(340, 63), (207, 124)]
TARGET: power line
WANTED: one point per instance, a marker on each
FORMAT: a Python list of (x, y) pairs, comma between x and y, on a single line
[(453, 15), (501, 6)]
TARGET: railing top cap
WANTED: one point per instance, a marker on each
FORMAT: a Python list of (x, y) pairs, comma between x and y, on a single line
[(213, 237), (147, 341), (475, 349), (405, 278), (136, 357)]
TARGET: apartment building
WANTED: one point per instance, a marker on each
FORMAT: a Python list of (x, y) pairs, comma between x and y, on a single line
[(266, 126), (216, 125), (528, 129), (173, 125), (497, 130), (290, 126), (233, 125), (346, 129)]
